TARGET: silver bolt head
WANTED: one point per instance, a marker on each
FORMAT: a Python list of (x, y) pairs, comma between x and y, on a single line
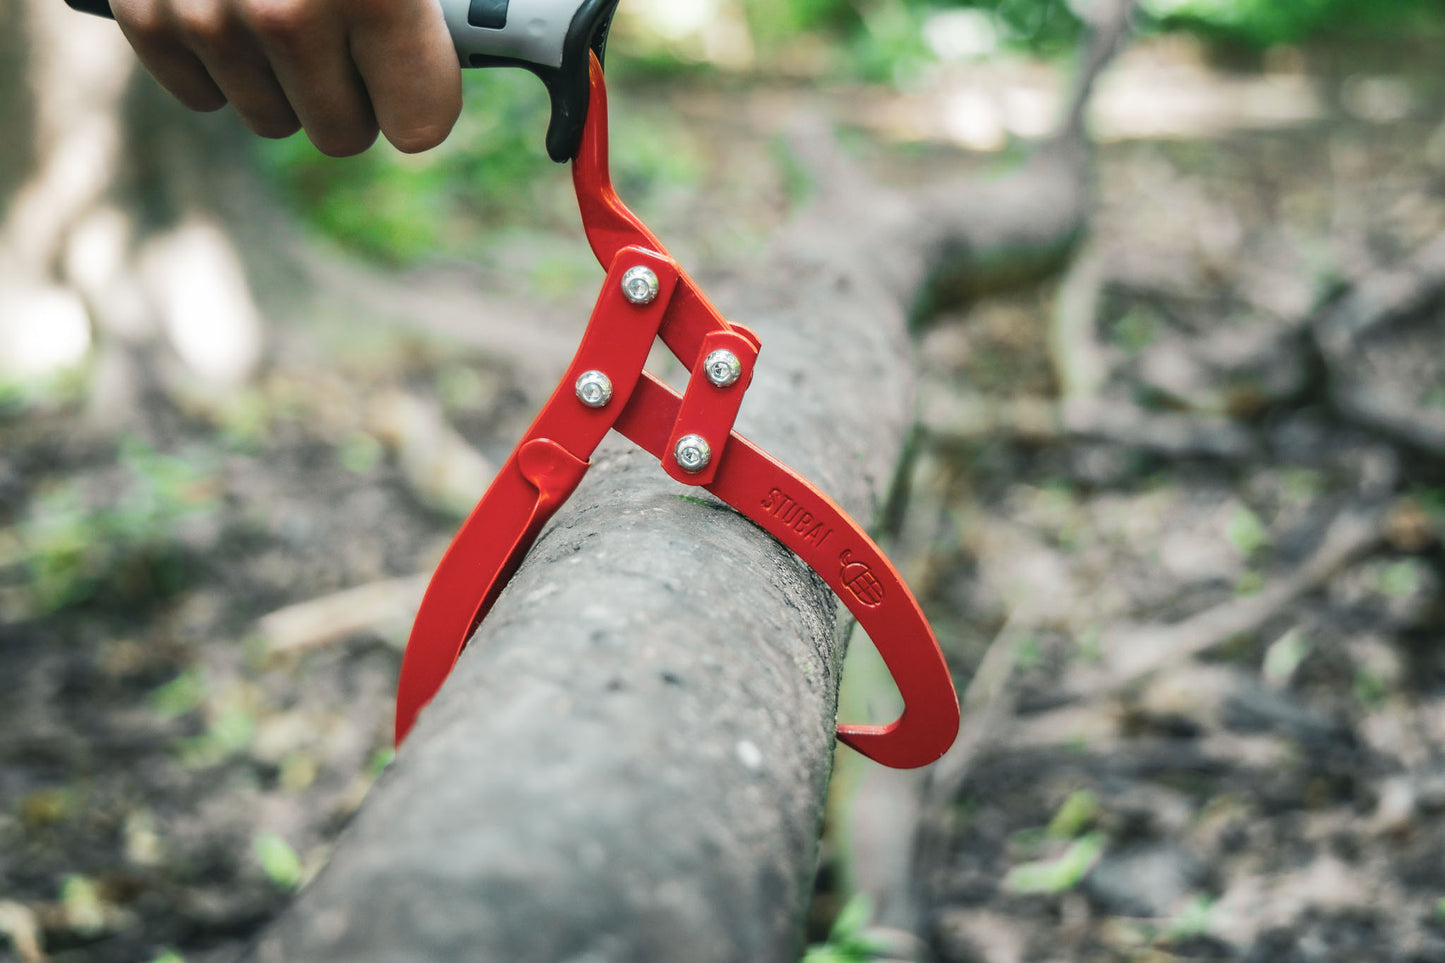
[(692, 453), (594, 389), (723, 368), (640, 285)]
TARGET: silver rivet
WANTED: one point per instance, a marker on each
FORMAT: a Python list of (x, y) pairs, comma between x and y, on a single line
[(692, 453), (640, 285), (723, 368), (594, 389)]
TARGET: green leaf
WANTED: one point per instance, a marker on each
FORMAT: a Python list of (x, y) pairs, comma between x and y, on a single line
[(1283, 657), (852, 919), (1194, 920), (278, 860), (1061, 874), (380, 759), (84, 908), (1075, 815), (181, 695), (1028, 654), (1370, 689), (848, 938), (1246, 532), (1403, 578)]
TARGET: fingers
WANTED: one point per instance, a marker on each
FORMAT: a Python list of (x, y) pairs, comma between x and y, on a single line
[(204, 56), (308, 53), (149, 30), (406, 59), (342, 69), (237, 65)]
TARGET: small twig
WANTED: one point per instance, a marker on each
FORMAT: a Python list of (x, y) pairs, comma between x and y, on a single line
[(1078, 359), (442, 468), (1136, 652), (986, 703), (19, 925), (1110, 27), (310, 624), (951, 417)]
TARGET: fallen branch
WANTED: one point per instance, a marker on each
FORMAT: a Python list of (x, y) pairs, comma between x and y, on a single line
[(313, 623)]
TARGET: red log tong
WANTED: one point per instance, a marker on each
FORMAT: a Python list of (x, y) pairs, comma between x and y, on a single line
[(646, 295)]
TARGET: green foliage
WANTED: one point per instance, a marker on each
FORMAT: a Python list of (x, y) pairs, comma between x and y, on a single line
[(1194, 920), (359, 452), (771, 22), (1264, 23), (1250, 582), (76, 549), (848, 940), (84, 908), (1058, 875), (1284, 657), (18, 396), (1091, 643), (181, 696), (1077, 813), (278, 860), (1135, 331), (1028, 654), (1246, 532), (891, 46), (1403, 578), (1370, 689), (380, 759), (492, 173), (396, 207), (230, 732), (880, 36)]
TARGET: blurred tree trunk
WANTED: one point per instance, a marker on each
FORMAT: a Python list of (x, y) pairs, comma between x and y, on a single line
[(113, 243)]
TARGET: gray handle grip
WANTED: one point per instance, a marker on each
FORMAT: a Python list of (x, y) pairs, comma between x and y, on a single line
[(551, 38)]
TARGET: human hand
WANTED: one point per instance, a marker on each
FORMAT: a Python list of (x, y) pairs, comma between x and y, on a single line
[(341, 69)]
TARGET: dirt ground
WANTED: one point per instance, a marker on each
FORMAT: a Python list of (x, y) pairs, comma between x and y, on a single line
[(1147, 489)]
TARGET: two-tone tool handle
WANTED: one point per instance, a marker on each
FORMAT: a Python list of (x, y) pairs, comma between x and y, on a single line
[(551, 38)]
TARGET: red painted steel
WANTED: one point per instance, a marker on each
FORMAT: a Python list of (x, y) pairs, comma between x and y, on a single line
[(707, 410), (553, 456)]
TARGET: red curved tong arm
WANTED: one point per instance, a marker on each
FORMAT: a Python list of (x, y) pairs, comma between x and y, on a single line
[(611, 226)]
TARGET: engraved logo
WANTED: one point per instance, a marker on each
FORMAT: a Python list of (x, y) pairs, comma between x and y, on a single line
[(793, 515), (861, 581)]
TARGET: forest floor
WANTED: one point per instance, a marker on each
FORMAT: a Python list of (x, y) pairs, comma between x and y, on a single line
[(1186, 514)]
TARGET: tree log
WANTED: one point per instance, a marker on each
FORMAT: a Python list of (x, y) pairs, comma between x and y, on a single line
[(630, 760)]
